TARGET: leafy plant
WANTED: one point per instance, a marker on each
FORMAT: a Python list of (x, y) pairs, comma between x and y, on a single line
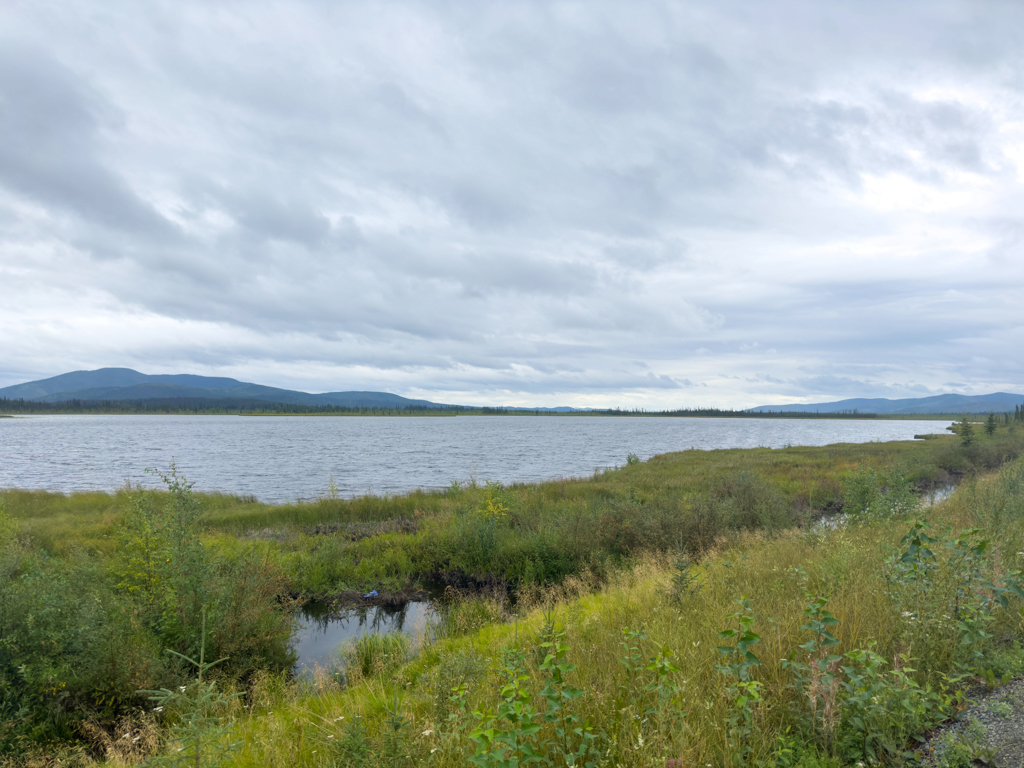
[(885, 708), (573, 744), (966, 748), (816, 679), (879, 495), (946, 594), (507, 736), (742, 691)]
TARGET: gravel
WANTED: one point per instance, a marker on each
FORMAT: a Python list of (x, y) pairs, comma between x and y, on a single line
[(1001, 714)]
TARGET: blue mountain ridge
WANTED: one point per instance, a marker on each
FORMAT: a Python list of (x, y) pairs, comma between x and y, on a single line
[(997, 401), (127, 384)]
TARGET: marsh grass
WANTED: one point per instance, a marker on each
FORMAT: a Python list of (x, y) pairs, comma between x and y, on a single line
[(598, 551), (635, 624), (547, 531), (375, 654)]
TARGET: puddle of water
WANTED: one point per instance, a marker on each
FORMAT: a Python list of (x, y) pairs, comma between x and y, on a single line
[(929, 499), (937, 494), (323, 631)]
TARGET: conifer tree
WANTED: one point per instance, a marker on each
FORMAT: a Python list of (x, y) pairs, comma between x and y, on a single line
[(966, 431)]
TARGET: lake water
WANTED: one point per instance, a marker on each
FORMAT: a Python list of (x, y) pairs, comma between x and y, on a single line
[(284, 458)]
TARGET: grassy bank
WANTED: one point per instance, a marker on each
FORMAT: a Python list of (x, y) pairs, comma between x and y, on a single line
[(515, 536), (860, 639), (96, 586)]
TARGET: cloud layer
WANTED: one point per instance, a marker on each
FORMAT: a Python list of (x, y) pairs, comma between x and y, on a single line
[(651, 204)]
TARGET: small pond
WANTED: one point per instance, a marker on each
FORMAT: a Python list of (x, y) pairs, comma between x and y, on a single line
[(323, 630), (935, 495), (927, 499)]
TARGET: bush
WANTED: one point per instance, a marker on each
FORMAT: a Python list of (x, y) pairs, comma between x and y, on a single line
[(879, 495), (80, 637)]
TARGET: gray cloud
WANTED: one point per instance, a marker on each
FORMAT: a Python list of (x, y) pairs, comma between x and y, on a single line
[(519, 202), (49, 125)]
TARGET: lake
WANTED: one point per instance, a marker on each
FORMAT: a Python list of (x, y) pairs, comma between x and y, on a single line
[(285, 458)]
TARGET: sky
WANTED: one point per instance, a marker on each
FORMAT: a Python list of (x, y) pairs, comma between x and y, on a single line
[(642, 204)]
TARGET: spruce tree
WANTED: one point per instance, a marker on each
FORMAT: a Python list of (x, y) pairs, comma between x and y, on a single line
[(990, 425), (966, 431)]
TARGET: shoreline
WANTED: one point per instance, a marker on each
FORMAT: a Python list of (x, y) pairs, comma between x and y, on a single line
[(390, 413)]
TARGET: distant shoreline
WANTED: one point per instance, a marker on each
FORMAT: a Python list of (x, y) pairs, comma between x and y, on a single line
[(438, 413)]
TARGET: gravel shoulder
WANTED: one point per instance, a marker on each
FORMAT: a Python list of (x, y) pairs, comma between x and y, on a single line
[(1000, 739)]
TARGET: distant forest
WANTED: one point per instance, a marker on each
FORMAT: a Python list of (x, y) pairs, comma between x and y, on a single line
[(195, 405)]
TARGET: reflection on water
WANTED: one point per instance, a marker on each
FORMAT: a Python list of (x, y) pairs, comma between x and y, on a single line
[(323, 630), (937, 494)]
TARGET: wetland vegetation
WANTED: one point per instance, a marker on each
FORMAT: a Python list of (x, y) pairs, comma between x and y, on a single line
[(691, 609)]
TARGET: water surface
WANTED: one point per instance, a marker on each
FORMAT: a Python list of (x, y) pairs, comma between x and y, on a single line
[(284, 458), (322, 632)]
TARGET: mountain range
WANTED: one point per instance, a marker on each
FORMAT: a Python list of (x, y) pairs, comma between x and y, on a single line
[(121, 384), (126, 384), (998, 402)]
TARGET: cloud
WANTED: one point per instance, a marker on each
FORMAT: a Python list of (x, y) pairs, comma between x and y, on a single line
[(50, 123), (517, 202)]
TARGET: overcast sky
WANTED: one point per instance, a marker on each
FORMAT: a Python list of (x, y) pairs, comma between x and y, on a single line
[(596, 204)]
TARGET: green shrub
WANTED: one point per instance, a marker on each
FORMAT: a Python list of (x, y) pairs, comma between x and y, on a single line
[(879, 494)]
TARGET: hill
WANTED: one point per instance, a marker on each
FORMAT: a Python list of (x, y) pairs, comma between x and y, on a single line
[(119, 384), (999, 402)]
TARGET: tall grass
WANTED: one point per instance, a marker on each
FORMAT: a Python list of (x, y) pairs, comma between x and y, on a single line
[(375, 654), (621, 636), (89, 599), (551, 529)]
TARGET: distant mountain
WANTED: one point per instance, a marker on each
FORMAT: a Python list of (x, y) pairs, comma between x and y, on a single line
[(126, 384), (997, 401)]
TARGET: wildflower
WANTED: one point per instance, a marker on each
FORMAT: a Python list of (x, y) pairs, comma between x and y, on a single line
[(428, 732), (433, 750)]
